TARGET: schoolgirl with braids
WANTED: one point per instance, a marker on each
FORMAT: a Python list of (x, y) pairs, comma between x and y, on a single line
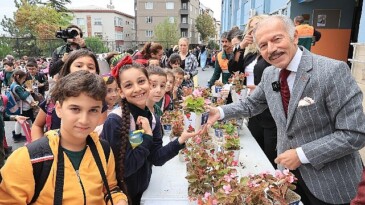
[(134, 165)]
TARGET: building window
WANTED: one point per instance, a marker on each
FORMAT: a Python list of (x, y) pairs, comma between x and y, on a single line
[(149, 19), (184, 20), (171, 19), (183, 34), (185, 6), (80, 21), (118, 21), (148, 5), (118, 36), (132, 25), (191, 21), (191, 8), (99, 35), (169, 5), (97, 21), (149, 33), (190, 34)]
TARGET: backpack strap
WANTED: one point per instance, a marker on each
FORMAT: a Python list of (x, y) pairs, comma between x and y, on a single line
[(96, 156), (106, 147), (60, 177), (41, 157)]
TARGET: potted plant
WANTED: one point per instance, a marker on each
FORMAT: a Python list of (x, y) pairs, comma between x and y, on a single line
[(171, 122), (231, 140), (216, 88), (239, 90), (266, 188), (193, 107)]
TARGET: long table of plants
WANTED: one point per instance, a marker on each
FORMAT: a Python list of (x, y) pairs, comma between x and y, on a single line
[(217, 167)]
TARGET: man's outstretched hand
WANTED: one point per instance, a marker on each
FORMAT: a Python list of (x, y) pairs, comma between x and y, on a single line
[(214, 115)]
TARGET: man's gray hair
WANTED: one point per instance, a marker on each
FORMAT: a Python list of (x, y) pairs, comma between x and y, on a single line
[(285, 20)]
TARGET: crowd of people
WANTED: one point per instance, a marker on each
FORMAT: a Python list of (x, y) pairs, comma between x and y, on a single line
[(305, 111)]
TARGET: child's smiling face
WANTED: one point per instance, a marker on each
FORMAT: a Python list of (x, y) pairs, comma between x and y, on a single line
[(80, 116)]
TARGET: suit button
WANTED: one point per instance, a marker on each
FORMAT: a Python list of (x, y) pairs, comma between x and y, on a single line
[(290, 137)]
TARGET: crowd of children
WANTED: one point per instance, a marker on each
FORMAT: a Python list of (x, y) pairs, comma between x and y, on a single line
[(132, 97)]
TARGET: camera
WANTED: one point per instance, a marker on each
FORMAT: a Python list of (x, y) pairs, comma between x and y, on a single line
[(66, 33)]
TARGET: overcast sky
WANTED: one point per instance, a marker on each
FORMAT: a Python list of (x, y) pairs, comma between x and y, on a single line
[(126, 6)]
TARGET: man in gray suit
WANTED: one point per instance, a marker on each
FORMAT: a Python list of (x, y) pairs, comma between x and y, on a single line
[(317, 107)]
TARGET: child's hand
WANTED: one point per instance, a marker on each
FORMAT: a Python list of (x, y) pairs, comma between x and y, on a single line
[(20, 118), (186, 135), (122, 202), (145, 124)]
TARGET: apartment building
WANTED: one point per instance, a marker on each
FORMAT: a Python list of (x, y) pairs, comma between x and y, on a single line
[(149, 13), (115, 28)]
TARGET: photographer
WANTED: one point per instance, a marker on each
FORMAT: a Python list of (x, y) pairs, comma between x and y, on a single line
[(72, 35)]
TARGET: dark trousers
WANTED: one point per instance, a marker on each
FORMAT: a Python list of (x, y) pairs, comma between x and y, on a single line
[(265, 137), (307, 197)]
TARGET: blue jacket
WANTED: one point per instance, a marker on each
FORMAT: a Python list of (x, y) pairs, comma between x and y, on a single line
[(138, 162)]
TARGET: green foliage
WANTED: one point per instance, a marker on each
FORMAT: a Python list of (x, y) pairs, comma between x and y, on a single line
[(5, 47), (40, 21), (213, 45), (194, 104), (96, 45), (232, 143), (166, 33), (205, 26), (58, 5), (229, 128)]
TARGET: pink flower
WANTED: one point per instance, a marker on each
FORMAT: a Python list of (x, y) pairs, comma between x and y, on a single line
[(207, 195), (197, 93), (235, 163), (215, 202), (227, 178), (252, 184), (233, 175), (198, 140), (227, 188), (207, 101), (291, 179), (278, 174), (286, 172)]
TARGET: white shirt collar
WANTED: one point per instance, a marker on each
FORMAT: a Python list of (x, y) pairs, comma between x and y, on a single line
[(294, 63)]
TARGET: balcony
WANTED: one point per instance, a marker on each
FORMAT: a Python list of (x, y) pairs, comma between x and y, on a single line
[(184, 12), (184, 25)]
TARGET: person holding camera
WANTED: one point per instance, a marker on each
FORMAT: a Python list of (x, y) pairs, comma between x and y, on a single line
[(72, 35)]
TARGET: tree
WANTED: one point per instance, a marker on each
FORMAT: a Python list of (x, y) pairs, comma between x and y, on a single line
[(96, 45), (58, 5), (213, 45), (41, 21), (205, 26), (167, 32)]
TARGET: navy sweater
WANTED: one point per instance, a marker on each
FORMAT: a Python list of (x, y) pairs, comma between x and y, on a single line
[(138, 162)]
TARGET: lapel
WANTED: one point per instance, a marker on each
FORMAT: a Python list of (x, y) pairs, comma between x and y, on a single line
[(276, 97), (301, 79)]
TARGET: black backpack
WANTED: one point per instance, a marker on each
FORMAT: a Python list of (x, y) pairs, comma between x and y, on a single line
[(42, 157)]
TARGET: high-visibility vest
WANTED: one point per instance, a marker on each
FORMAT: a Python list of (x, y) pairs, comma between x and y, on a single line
[(305, 31), (223, 63)]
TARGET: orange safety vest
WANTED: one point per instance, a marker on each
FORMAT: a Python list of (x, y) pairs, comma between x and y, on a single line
[(305, 31), (223, 62)]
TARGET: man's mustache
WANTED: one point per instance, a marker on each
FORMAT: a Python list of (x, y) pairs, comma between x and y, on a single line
[(275, 54)]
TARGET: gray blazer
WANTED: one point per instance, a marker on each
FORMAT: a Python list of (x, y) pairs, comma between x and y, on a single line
[(330, 131)]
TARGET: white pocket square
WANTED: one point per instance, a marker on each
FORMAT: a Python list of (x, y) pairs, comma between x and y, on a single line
[(305, 102)]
